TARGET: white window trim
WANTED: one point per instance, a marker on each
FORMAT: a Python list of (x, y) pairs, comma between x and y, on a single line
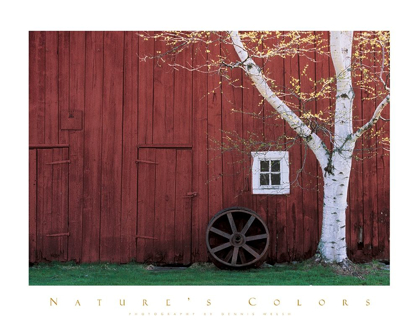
[(284, 187)]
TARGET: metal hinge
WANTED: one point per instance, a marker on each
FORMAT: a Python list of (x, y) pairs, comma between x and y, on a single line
[(191, 194), (59, 234), (146, 162), (59, 162)]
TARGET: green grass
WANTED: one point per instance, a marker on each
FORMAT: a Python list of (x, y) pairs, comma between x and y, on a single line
[(299, 274)]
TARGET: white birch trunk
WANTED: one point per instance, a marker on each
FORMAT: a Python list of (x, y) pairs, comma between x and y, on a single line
[(332, 245)]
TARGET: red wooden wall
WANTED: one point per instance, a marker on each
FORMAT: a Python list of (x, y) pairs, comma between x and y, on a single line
[(123, 164)]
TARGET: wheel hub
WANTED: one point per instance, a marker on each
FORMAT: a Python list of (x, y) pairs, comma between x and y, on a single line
[(237, 239)]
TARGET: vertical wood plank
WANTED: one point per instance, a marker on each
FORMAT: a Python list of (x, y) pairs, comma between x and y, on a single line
[(129, 149), (383, 173), (32, 206), (163, 114), (294, 208), (36, 87), (232, 127), (355, 217), (215, 166), (110, 229), (200, 216), (369, 170), (146, 173), (375, 161), (165, 203), (44, 206), (55, 245), (385, 216), (92, 182), (182, 101), (383, 179), (309, 176), (145, 90), (64, 202), (146, 205), (63, 80), (272, 221), (51, 88), (76, 140), (59, 218), (183, 220)]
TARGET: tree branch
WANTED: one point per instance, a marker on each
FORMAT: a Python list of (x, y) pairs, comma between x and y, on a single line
[(375, 117), (383, 49), (255, 73)]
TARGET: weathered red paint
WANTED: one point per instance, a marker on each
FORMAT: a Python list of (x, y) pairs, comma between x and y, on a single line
[(139, 176)]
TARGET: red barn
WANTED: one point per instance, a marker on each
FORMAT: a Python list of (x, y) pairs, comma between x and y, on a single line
[(124, 164)]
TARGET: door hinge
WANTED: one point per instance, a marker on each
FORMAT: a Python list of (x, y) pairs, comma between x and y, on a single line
[(146, 162), (59, 162), (59, 234), (191, 194)]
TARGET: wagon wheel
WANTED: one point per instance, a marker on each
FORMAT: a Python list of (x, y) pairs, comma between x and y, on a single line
[(237, 238)]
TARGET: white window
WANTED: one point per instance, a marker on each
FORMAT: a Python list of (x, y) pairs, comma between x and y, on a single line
[(270, 173)]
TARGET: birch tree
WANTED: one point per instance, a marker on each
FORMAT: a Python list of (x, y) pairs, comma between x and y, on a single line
[(334, 156)]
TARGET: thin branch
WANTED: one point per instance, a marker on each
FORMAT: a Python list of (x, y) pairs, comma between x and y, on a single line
[(375, 117), (382, 67)]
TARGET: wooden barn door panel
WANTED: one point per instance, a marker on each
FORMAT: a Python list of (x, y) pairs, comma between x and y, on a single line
[(32, 206), (164, 205), (49, 204), (183, 209)]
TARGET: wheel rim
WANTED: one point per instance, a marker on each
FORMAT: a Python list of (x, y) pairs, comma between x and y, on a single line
[(237, 238)]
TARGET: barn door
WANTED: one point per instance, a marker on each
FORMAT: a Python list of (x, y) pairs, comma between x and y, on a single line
[(164, 205), (48, 204)]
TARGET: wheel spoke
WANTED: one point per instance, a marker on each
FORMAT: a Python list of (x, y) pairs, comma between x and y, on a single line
[(256, 237), (221, 233), (221, 247), (242, 257), (229, 255), (250, 250), (248, 224), (232, 224), (235, 253)]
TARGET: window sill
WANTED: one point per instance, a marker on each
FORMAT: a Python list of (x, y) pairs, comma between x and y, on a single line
[(271, 191)]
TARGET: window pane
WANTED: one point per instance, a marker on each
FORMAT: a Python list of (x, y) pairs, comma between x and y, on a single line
[(264, 179), (275, 166), (264, 166), (276, 180)]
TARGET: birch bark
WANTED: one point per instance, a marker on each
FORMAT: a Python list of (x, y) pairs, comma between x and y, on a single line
[(332, 245)]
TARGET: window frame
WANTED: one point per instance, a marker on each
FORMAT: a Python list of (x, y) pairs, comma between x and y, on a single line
[(284, 186)]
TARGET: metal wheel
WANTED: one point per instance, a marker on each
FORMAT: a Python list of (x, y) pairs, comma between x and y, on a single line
[(237, 238)]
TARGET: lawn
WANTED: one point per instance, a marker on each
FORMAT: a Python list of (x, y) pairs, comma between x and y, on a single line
[(203, 274)]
